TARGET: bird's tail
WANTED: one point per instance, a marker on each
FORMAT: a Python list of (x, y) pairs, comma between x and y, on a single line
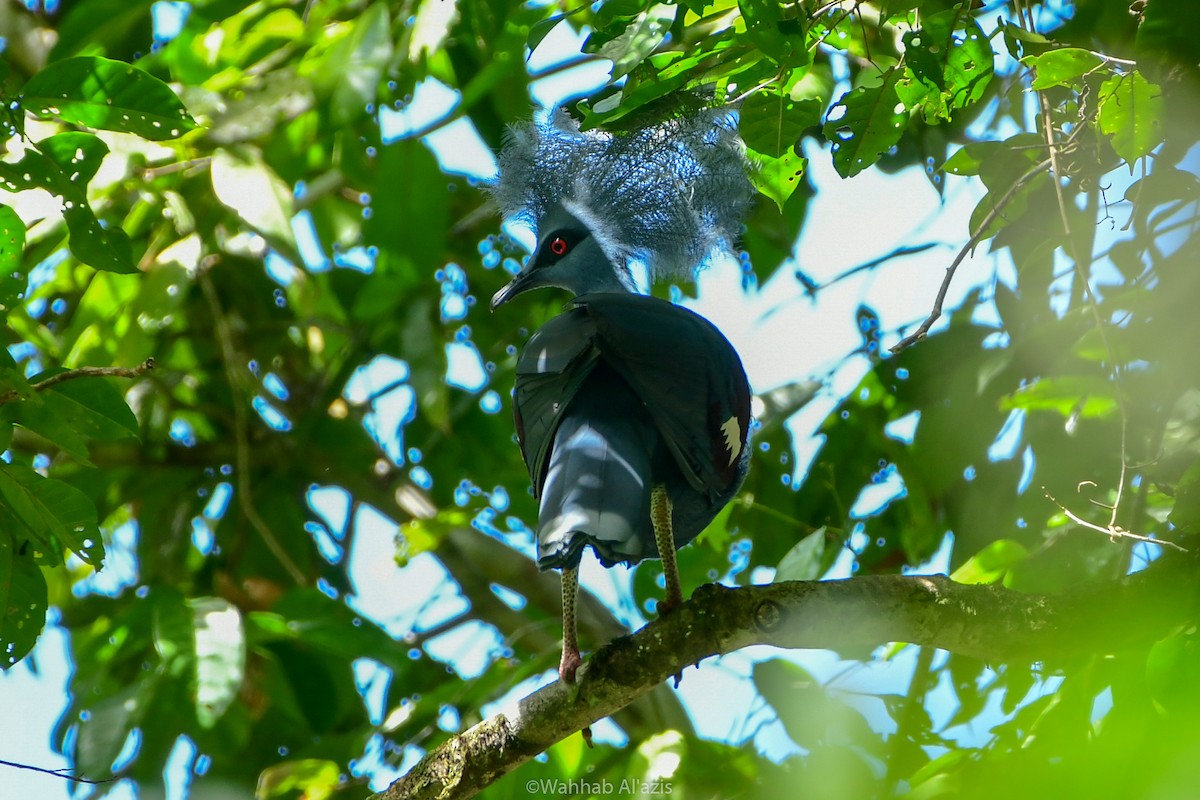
[(596, 490)]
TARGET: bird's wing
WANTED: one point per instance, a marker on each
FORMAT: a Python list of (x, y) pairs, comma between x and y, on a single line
[(688, 375), (555, 361)]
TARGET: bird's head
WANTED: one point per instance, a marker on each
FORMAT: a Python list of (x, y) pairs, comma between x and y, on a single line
[(568, 256)]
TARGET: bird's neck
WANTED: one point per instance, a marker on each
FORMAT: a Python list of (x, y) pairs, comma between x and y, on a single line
[(604, 280)]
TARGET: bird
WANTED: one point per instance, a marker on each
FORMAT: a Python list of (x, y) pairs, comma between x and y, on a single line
[(632, 413)]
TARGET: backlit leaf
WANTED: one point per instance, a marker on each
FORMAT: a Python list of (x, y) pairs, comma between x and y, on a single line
[(110, 95)]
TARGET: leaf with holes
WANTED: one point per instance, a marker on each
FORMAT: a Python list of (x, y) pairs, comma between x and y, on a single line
[(77, 155), (864, 124), (778, 178), (950, 63), (1131, 114), (64, 166), (110, 95)]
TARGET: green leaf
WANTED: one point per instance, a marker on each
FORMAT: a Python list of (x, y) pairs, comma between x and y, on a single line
[(355, 65), (951, 64), (804, 562), (51, 512), (778, 178), (1061, 67), (110, 95), (643, 35), (1131, 114), (220, 649), (108, 249), (72, 413), (812, 716), (12, 377), (311, 778), (33, 171), (405, 225), (991, 563), (248, 187), (65, 165), (94, 407), (433, 24), (1167, 37), (23, 599), (110, 720), (542, 29), (968, 159), (765, 28), (1186, 513), (77, 155), (35, 415), (12, 248), (1084, 396), (864, 124), (1017, 205), (771, 123)]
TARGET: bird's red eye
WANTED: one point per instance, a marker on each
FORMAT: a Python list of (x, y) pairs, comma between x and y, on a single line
[(559, 246)]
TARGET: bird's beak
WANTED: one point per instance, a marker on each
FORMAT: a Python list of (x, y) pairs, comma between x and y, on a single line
[(520, 283)]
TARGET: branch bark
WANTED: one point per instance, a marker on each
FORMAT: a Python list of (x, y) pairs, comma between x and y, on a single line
[(986, 622), (81, 372)]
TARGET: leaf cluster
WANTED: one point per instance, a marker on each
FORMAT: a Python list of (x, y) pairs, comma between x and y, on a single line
[(234, 203)]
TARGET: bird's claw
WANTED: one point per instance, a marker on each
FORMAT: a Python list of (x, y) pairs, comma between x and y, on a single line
[(570, 662), (668, 605)]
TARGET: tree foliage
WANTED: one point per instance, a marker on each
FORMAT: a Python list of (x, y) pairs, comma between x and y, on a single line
[(234, 301)]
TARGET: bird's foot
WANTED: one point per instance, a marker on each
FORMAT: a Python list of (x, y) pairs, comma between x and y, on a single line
[(571, 661), (672, 601), (587, 736), (669, 604)]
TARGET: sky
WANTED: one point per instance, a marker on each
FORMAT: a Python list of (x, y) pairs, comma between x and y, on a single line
[(782, 334)]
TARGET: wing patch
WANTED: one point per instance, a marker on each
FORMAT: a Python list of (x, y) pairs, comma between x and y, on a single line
[(733, 438)]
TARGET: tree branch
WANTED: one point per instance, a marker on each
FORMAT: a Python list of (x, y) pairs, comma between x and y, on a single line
[(986, 622), (82, 372)]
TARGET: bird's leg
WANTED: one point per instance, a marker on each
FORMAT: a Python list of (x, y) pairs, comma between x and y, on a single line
[(570, 651), (571, 659), (664, 536)]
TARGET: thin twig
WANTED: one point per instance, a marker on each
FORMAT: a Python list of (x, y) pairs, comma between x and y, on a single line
[(976, 237), (829, 32), (1089, 296), (899, 252), (82, 372), (244, 493), (61, 772), (1113, 531), (150, 173)]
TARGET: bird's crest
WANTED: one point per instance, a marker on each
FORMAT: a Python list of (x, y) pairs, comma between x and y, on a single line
[(671, 194)]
